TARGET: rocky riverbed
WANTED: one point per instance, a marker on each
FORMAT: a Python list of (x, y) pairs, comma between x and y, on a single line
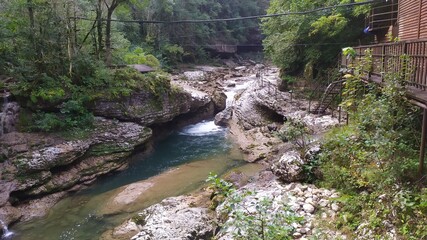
[(256, 112)]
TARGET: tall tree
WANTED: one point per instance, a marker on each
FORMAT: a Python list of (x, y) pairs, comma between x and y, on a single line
[(293, 41), (111, 7)]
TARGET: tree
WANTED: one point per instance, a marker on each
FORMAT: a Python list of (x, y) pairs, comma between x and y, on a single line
[(293, 41)]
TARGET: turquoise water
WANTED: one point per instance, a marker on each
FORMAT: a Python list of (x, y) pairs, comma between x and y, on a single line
[(179, 164)]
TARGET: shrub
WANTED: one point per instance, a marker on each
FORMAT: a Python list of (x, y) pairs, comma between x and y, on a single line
[(137, 56), (72, 116), (297, 132), (374, 160)]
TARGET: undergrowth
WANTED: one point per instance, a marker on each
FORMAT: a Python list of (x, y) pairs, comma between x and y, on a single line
[(373, 161)]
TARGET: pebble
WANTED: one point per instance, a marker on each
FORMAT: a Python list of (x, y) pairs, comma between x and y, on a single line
[(308, 208), (297, 235), (323, 202), (335, 207)]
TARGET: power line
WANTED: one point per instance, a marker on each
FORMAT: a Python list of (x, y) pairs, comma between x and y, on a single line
[(259, 45), (236, 18)]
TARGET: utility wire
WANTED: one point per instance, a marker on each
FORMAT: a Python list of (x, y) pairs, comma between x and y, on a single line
[(236, 18)]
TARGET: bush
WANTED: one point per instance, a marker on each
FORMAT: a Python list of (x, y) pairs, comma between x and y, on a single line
[(374, 160), (72, 116), (137, 56), (297, 132)]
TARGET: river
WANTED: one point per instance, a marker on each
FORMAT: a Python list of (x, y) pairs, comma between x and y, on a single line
[(179, 164)]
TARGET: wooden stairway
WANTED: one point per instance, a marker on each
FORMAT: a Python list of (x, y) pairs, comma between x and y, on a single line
[(331, 92)]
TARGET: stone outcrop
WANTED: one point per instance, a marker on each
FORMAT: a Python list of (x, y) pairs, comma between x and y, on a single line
[(147, 109), (37, 165), (262, 103), (174, 218)]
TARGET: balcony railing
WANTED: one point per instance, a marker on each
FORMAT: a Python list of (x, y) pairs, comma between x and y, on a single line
[(383, 16), (387, 58)]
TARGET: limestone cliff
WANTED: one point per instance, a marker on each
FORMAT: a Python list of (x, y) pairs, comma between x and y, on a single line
[(38, 169)]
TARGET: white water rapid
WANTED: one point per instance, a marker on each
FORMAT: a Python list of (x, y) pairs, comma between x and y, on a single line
[(202, 129), (6, 233)]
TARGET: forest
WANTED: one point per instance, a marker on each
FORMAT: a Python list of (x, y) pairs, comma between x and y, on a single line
[(64, 51)]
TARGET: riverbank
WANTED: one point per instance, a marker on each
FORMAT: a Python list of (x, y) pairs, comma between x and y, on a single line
[(39, 169), (256, 111)]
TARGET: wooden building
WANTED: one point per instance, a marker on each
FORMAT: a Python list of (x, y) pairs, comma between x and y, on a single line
[(400, 28)]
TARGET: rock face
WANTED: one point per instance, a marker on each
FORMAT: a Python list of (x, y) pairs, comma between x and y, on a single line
[(147, 109), (37, 165), (175, 218), (262, 103)]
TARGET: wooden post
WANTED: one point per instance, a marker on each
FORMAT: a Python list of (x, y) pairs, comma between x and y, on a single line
[(346, 121), (423, 143)]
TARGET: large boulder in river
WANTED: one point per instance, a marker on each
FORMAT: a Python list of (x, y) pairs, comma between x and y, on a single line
[(220, 100), (175, 218), (223, 118)]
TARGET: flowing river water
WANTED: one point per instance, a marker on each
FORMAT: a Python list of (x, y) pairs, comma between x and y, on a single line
[(179, 164)]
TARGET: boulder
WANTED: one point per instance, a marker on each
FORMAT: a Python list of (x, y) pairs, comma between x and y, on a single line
[(222, 118), (175, 218), (219, 99), (194, 75), (289, 167)]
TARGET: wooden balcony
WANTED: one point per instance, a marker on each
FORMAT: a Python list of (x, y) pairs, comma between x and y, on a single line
[(387, 58), (382, 16)]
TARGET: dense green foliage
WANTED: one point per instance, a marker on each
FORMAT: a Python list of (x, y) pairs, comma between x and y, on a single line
[(315, 39), (60, 52), (374, 159)]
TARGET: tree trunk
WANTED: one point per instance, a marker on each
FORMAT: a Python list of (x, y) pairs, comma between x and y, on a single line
[(31, 15), (108, 57), (99, 47)]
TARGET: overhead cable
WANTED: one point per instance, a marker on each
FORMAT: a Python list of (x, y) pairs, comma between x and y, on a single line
[(237, 18)]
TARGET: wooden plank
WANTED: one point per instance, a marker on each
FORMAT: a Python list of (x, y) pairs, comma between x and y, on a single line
[(409, 21), (423, 21)]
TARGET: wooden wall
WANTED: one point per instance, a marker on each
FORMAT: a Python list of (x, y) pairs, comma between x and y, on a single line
[(412, 19)]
